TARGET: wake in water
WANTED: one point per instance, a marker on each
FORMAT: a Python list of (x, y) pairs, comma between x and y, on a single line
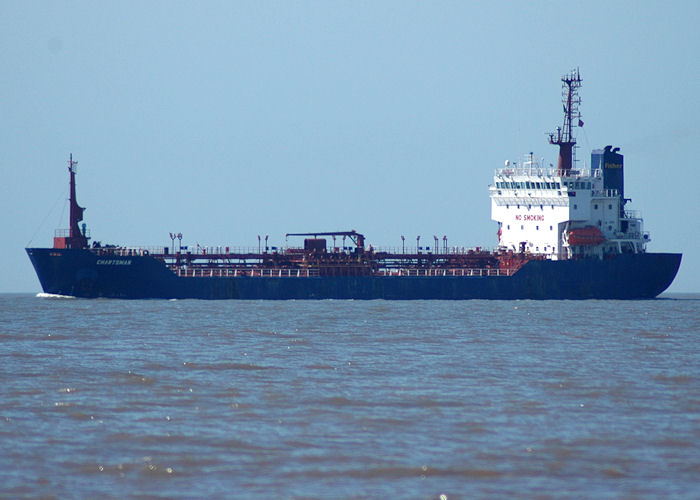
[(43, 295)]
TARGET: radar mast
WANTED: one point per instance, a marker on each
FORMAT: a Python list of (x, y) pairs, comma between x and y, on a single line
[(564, 137)]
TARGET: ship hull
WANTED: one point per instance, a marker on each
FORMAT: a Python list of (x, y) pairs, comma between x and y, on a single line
[(82, 273)]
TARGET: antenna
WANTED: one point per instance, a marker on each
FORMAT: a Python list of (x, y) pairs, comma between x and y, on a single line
[(72, 164), (564, 137)]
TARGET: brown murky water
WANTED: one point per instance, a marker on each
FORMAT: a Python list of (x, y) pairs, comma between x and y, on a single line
[(349, 399)]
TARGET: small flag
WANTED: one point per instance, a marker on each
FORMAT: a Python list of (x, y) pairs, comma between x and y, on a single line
[(580, 122)]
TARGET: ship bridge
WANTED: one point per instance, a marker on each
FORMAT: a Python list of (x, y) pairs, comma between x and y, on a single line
[(563, 213)]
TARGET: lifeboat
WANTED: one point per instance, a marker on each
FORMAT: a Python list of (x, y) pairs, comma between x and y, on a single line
[(585, 236)]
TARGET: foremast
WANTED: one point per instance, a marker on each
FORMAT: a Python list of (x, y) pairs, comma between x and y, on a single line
[(74, 237)]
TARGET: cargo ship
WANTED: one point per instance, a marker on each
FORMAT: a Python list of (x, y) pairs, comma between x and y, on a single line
[(563, 233)]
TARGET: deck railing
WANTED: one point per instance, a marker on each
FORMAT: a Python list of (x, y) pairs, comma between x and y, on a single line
[(314, 272), (445, 272), (206, 252), (256, 273), (536, 171)]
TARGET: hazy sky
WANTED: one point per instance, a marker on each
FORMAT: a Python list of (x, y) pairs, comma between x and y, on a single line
[(229, 120)]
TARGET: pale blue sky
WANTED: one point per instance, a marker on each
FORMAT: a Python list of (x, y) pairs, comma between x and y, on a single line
[(225, 120)]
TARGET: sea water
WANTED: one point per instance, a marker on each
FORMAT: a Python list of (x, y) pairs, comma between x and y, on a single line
[(349, 399)]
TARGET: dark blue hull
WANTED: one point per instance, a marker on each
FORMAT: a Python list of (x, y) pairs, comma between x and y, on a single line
[(81, 273)]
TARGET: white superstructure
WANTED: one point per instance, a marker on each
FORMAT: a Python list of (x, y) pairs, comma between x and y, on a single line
[(565, 213)]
